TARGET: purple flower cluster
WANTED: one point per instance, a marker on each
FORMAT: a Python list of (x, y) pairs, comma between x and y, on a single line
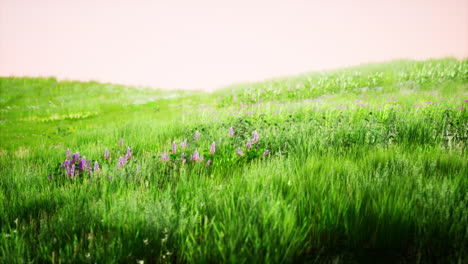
[(123, 160), (249, 143), (239, 152), (75, 165), (165, 157), (197, 157)]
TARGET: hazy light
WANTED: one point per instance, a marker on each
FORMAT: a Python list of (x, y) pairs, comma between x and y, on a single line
[(210, 43)]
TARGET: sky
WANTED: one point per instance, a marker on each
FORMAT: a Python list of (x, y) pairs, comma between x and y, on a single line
[(207, 44)]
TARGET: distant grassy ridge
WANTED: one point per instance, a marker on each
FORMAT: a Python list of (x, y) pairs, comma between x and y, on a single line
[(364, 165), (378, 77)]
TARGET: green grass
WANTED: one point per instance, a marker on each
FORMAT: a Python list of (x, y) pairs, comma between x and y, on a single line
[(365, 165)]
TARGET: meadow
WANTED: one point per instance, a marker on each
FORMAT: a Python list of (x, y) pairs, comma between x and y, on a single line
[(361, 165)]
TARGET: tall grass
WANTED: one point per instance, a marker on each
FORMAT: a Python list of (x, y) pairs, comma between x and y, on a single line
[(352, 174)]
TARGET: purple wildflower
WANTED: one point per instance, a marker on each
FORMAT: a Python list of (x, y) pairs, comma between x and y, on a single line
[(208, 163), (106, 154), (466, 101), (121, 142), (174, 149), (213, 148), (121, 162), (96, 166), (68, 154), (82, 165), (231, 132), (183, 144), (182, 158), (249, 144), (129, 154), (197, 135), (239, 152), (266, 152), (164, 157), (255, 137), (195, 156), (71, 171), (65, 164), (76, 157)]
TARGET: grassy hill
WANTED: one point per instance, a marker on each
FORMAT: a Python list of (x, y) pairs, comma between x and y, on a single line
[(361, 165)]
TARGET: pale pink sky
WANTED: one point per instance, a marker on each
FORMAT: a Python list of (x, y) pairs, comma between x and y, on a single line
[(210, 43)]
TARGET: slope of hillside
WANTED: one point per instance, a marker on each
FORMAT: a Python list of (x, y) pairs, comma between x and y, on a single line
[(361, 165)]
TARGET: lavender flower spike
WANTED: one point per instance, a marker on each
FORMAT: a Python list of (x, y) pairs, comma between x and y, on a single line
[(76, 157), (239, 152), (197, 135), (231, 132), (106, 154), (196, 156), (249, 144), (121, 162), (71, 171), (255, 137), (164, 157), (129, 154), (174, 149), (96, 166), (213, 148), (83, 165), (208, 163), (266, 152), (68, 154)]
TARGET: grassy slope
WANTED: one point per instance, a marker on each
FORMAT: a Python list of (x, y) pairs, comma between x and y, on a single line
[(364, 163)]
